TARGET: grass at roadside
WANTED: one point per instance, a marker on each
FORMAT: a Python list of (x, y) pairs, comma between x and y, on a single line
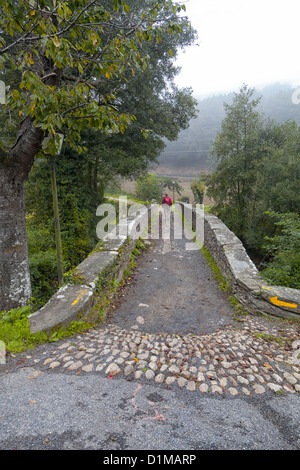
[(15, 333)]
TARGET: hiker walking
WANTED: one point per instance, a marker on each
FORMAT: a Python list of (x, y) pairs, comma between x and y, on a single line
[(167, 203)]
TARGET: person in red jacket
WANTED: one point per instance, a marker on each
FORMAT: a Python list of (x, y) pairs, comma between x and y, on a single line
[(167, 200), (167, 203)]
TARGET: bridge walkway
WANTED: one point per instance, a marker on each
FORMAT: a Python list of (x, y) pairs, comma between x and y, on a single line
[(172, 324), (172, 368)]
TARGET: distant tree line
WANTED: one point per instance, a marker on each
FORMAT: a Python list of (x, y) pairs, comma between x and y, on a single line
[(191, 152)]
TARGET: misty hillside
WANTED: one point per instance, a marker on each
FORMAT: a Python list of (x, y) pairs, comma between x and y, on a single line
[(189, 155)]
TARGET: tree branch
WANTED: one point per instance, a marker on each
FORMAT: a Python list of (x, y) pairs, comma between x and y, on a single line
[(20, 39)]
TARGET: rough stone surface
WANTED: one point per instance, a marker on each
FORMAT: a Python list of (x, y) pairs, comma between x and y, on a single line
[(252, 291), (237, 361)]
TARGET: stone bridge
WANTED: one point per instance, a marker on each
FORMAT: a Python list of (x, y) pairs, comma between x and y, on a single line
[(170, 321), (112, 257), (172, 365)]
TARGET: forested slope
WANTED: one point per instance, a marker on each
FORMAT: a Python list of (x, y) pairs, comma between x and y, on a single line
[(189, 155)]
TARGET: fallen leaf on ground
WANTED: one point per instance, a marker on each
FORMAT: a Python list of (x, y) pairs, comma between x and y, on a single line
[(268, 365)]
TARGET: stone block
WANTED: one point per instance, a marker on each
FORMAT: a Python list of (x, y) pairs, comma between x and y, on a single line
[(91, 267), (240, 264), (283, 297), (114, 243), (70, 302)]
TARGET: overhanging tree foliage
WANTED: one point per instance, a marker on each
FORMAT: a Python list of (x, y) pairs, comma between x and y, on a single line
[(63, 52), (158, 106), (161, 110)]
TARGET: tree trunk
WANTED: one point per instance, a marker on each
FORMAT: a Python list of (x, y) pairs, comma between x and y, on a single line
[(15, 288)]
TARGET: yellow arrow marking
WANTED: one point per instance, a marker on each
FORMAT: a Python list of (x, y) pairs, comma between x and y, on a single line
[(280, 303), (269, 288), (81, 294)]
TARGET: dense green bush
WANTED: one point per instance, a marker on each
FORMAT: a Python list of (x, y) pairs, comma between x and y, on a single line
[(147, 188), (255, 186), (76, 236), (42, 263), (284, 250)]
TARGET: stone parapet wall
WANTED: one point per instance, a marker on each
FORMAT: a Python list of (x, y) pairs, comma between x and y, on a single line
[(255, 294), (104, 266)]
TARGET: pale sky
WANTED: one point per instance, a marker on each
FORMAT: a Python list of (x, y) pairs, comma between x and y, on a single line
[(255, 42)]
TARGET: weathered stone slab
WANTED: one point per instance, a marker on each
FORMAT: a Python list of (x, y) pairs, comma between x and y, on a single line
[(113, 243), (240, 264), (91, 267), (65, 306), (283, 297), (227, 238), (252, 284)]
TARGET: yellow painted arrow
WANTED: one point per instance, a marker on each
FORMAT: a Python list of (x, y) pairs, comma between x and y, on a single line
[(81, 294), (280, 303), (270, 288)]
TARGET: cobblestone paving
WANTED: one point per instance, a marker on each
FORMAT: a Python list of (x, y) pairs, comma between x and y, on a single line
[(247, 360)]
